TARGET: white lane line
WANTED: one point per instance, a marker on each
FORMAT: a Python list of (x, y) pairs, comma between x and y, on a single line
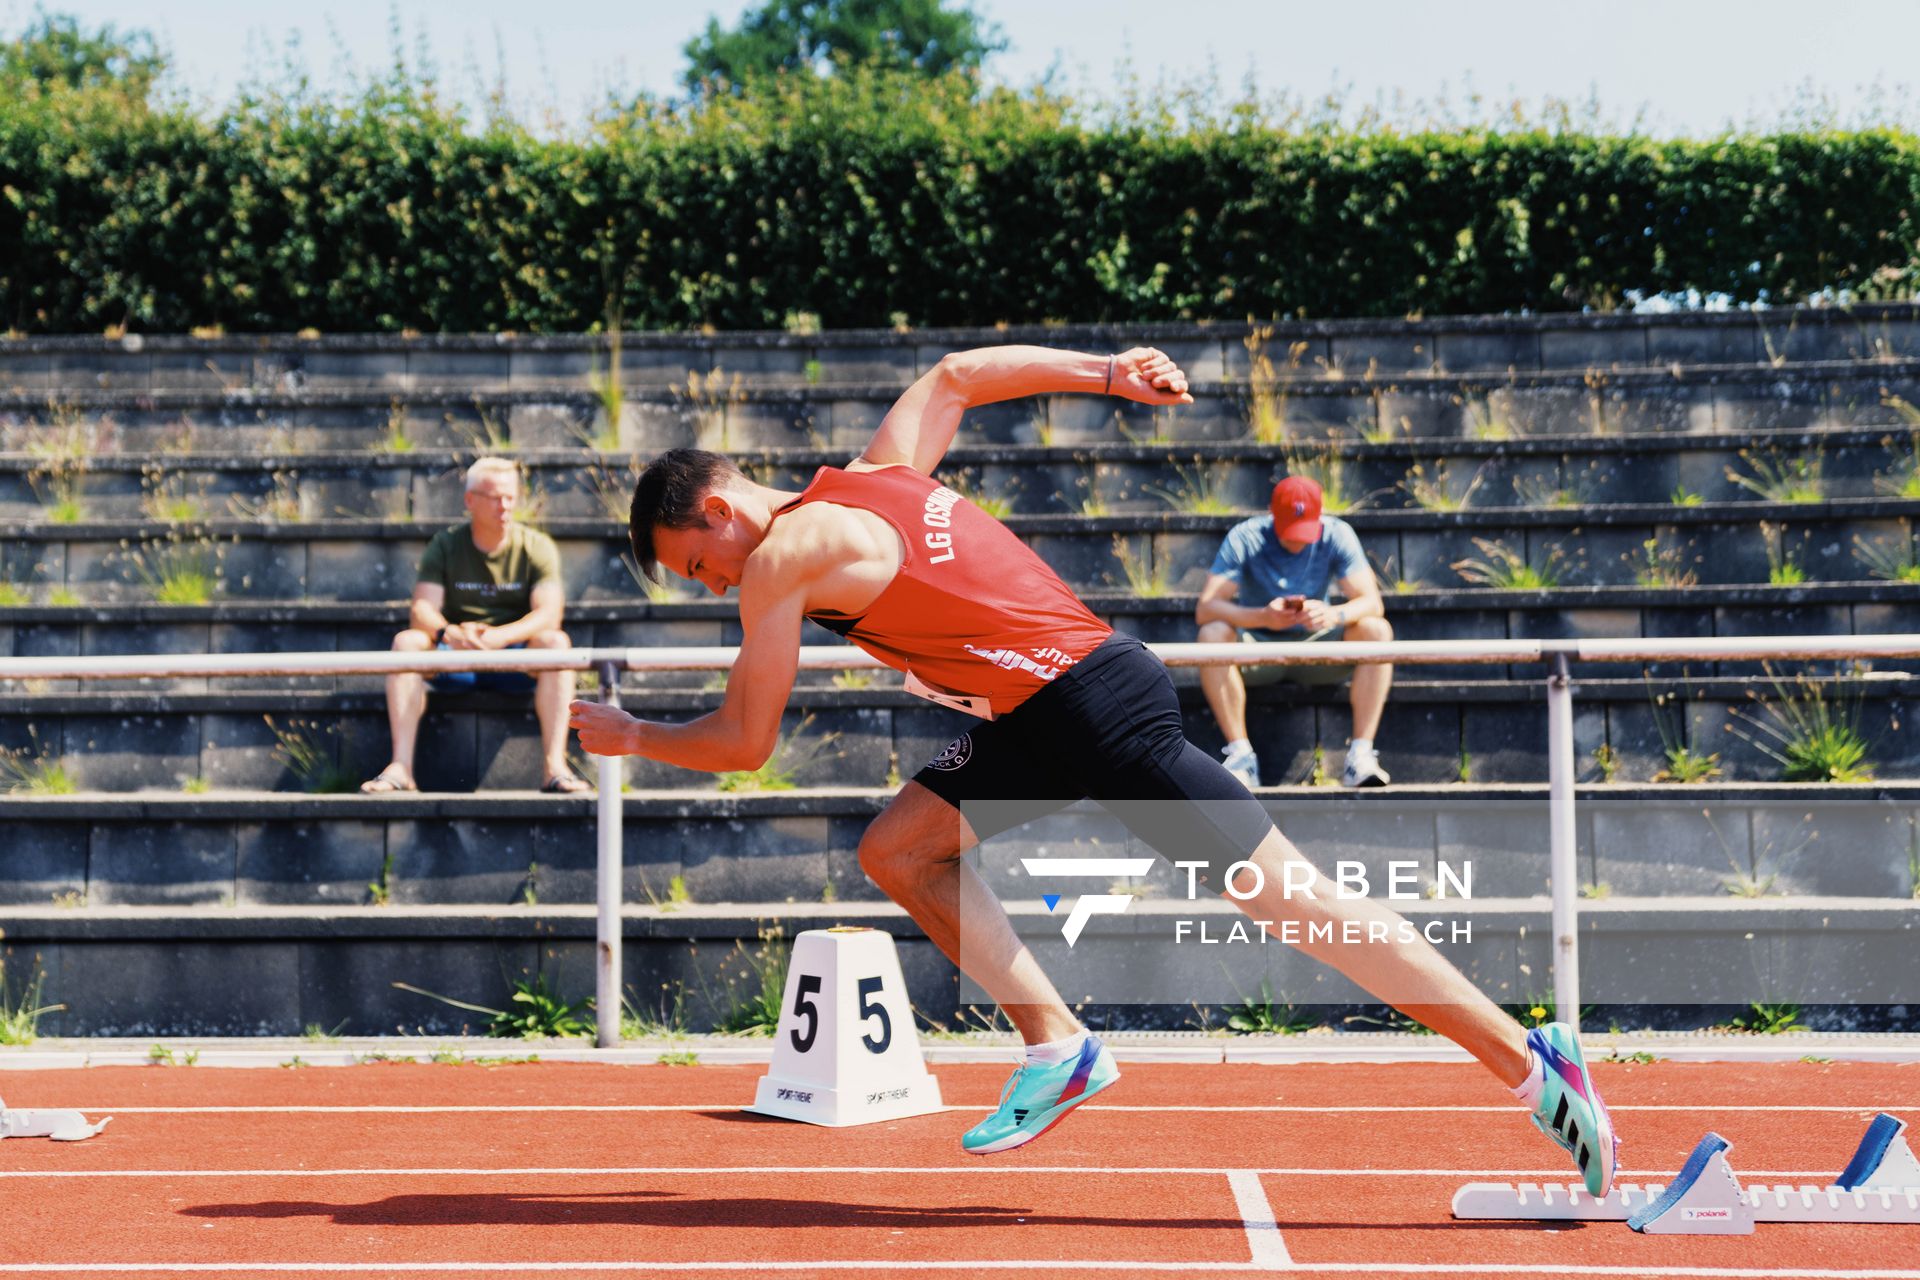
[(1049, 1265), (994, 1170), (1256, 1215), (734, 1104)]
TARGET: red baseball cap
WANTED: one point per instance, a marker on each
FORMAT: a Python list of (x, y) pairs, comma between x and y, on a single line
[(1296, 510)]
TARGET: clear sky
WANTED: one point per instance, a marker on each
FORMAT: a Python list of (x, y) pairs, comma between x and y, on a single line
[(1691, 65)]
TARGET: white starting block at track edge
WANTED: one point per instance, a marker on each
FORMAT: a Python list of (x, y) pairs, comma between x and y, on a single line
[(845, 1052), (61, 1126), (1881, 1184)]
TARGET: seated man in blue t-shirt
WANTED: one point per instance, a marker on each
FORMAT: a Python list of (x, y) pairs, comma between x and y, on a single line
[(1268, 585)]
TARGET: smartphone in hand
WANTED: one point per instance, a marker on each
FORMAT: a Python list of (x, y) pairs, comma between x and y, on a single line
[(1295, 603)]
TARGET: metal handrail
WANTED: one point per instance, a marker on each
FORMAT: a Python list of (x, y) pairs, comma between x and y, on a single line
[(609, 663), (848, 658)]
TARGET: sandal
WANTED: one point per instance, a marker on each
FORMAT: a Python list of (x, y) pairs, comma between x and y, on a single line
[(565, 784), (385, 783)]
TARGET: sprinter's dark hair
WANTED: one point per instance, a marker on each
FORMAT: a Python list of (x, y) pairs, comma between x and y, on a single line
[(669, 495)]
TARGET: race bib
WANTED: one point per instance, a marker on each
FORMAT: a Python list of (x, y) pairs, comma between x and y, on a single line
[(973, 706)]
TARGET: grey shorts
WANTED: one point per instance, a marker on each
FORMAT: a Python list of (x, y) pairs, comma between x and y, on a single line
[(1310, 676)]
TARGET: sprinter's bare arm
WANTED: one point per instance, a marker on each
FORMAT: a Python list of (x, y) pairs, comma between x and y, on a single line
[(743, 731), (919, 428)]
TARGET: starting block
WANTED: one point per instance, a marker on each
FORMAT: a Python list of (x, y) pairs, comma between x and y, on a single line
[(61, 1126), (1880, 1185), (845, 1051)]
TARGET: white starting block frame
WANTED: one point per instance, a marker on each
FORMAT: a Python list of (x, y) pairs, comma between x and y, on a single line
[(61, 1126), (1880, 1185), (845, 1051)]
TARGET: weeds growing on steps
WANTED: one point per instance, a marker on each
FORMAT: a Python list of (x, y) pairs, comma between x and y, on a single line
[(306, 749), (1504, 569), (1784, 567), (1144, 576), (1201, 491), (753, 983), (1262, 1015), (1438, 490), (21, 1011), (1784, 478), (1892, 561), (1812, 735), (1684, 764), (793, 754), (1760, 1019), (536, 1012), (33, 771)]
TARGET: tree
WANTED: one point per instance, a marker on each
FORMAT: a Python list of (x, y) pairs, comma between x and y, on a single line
[(54, 53), (805, 36)]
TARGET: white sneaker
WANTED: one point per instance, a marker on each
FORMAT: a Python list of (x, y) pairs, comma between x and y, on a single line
[(1244, 765), (1363, 770)]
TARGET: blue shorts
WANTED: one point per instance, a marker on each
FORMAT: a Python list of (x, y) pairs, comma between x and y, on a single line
[(480, 681)]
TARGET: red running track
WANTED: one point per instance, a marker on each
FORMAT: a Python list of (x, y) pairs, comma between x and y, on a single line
[(570, 1169)]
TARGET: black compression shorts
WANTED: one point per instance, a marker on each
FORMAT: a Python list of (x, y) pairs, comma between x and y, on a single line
[(1108, 730)]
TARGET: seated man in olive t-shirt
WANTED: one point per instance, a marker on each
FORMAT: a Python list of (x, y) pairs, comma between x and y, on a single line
[(488, 584)]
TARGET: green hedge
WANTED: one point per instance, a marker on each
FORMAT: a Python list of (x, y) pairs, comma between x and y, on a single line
[(868, 204)]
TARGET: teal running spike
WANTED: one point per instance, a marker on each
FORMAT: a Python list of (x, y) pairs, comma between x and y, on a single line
[(1039, 1095), (1570, 1110)]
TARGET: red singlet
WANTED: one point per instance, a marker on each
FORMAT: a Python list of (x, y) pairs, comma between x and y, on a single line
[(974, 617)]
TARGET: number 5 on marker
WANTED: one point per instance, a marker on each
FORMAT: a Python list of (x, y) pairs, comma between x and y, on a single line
[(870, 1008), (803, 1007)]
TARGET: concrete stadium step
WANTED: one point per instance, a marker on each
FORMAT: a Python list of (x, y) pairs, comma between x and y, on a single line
[(1027, 479), (728, 415), (1432, 732), (166, 971), (1146, 553), (271, 849), (1209, 351)]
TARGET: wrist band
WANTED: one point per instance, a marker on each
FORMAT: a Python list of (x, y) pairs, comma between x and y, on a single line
[(1111, 360)]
